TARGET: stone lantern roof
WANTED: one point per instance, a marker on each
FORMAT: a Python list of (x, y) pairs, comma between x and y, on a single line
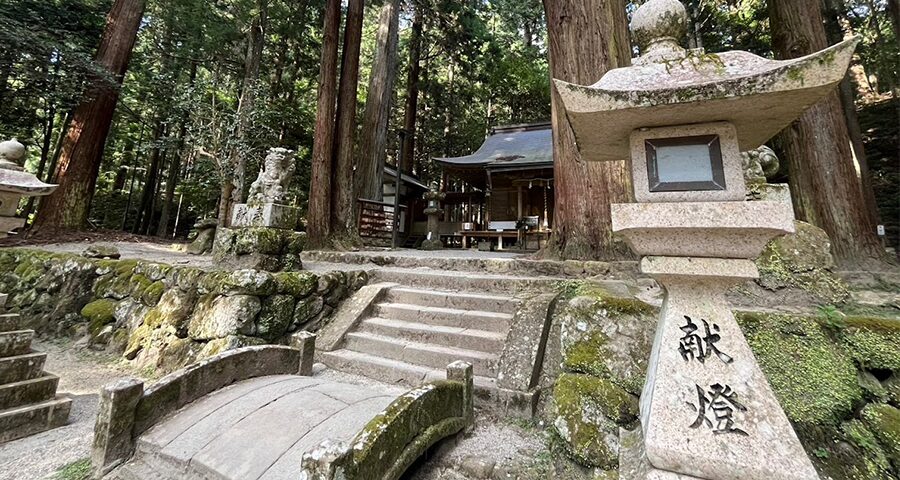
[(669, 85)]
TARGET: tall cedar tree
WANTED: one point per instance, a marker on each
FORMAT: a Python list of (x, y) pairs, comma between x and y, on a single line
[(343, 222), (373, 141), (318, 226), (587, 39), (412, 89), (82, 151), (825, 187)]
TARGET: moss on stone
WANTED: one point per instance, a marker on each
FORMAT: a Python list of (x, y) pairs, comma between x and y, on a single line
[(615, 305), (873, 342), (297, 284), (588, 412), (99, 314), (151, 295), (870, 462), (802, 261), (813, 378), (884, 423), (267, 241)]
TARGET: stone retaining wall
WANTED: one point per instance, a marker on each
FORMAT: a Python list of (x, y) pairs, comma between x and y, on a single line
[(166, 316)]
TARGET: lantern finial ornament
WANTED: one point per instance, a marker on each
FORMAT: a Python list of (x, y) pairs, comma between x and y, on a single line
[(659, 26)]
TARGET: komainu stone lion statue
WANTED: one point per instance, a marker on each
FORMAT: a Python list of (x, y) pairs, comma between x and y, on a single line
[(760, 164), (274, 178)]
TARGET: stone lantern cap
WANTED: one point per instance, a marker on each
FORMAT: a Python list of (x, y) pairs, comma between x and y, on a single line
[(669, 85), (13, 178)]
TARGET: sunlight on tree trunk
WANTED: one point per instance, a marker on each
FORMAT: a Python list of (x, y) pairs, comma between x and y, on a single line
[(79, 164), (373, 141), (319, 217), (587, 39), (824, 184)]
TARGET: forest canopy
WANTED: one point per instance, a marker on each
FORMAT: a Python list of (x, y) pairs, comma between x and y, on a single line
[(214, 84)]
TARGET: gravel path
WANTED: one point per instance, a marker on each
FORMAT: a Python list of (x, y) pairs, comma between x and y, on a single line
[(152, 252), (82, 373)]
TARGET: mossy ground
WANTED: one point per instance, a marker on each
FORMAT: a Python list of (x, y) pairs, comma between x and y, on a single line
[(78, 470)]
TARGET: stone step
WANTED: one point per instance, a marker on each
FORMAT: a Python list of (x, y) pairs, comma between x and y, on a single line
[(28, 392), (24, 421), (455, 300), (9, 322), (15, 343), (472, 339), (423, 354), (445, 317), (393, 371), (462, 281), (22, 367)]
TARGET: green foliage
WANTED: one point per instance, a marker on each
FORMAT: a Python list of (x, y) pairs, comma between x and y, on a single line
[(78, 470)]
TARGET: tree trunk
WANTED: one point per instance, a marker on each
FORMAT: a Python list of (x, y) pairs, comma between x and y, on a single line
[(342, 219), (587, 39), (49, 125), (412, 90), (145, 208), (319, 215), (175, 167), (79, 164), (377, 116), (256, 43), (834, 11), (825, 188)]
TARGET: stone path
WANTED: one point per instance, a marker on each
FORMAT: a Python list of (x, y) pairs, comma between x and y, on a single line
[(256, 429)]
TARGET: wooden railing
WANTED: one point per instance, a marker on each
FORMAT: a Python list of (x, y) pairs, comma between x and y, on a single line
[(376, 223)]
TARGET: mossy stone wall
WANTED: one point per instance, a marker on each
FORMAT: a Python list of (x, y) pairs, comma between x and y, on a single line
[(164, 316), (837, 378)]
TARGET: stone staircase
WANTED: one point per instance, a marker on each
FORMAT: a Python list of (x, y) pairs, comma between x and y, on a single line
[(28, 401), (412, 333)]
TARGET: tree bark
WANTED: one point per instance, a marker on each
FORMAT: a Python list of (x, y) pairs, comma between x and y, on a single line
[(824, 185), (256, 42), (834, 11), (412, 90), (145, 208), (175, 167), (373, 144), (79, 164), (319, 215), (342, 202), (587, 39)]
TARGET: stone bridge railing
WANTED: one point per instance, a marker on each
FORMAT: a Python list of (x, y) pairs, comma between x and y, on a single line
[(127, 409), (394, 439)]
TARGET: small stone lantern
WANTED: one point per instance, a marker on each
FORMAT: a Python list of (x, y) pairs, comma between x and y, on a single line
[(682, 118), (15, 184), (434, 211)]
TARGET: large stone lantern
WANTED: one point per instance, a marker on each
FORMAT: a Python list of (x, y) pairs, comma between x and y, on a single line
[(15, 184), (682, 118)]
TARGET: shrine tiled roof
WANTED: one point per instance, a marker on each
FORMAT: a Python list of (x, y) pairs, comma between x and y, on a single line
[(522, 146)]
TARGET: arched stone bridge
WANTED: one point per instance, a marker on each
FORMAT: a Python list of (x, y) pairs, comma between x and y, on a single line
[(247, 414)]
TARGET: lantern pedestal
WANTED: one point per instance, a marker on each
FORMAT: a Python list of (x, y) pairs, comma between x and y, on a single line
[(706, 409)]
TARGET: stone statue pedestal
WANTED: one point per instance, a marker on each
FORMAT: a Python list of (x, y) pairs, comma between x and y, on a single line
[(707, 410), (270, 215), (262, 235)]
